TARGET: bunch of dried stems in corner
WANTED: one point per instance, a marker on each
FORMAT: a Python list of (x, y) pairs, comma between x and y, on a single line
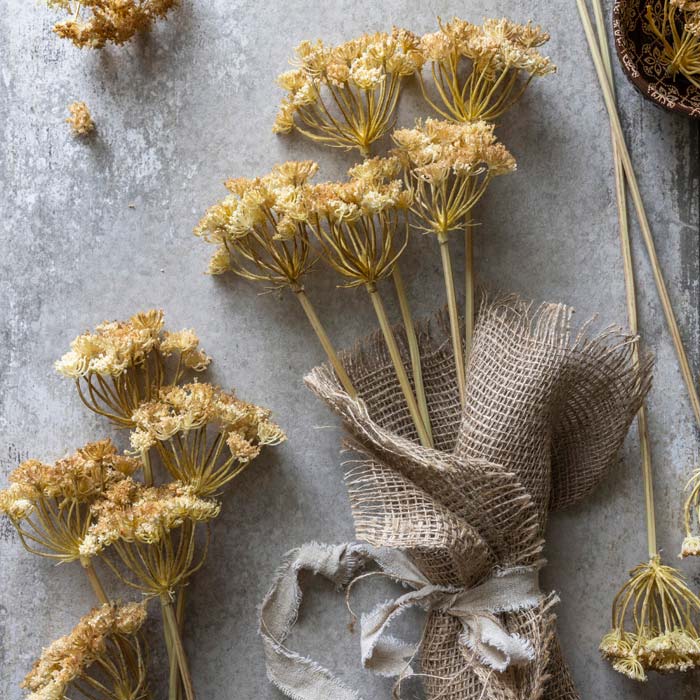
[(143, 517)]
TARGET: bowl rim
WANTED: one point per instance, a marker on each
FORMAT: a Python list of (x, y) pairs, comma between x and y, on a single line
[(635, 76)]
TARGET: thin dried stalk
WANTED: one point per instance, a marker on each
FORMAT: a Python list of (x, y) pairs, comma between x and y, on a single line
[(469, 305)]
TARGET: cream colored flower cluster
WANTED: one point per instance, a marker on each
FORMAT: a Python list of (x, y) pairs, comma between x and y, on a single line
[(180, 409), (365, 63), (495, 45), (94, 23), (116, 346), (131, 512), (436, 149), (70, 657), (79, 477)]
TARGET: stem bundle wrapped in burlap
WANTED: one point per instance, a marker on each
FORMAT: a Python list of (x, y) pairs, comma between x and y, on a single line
[(544, 417)]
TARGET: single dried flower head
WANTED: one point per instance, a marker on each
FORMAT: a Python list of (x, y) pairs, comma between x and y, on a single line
[(690, 547), (186, 344), (94, 23), (92, 645), (357, 221), (80, 119), (260, 228), (131, 512), (346, 95), (476, 68)]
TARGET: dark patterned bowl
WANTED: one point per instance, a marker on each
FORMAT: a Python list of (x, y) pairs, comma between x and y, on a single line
[(639, 54)]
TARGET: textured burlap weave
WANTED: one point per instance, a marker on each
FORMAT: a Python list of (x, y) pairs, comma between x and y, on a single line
[(545, 416)]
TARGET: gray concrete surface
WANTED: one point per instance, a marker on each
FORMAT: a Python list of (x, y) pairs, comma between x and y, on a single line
[(101, 228)]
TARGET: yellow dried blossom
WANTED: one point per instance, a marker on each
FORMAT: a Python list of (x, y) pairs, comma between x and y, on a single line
[(55, 500), (691, 513), (346, 95), (121, 363), (80, 119), (359, 222), (450, 166), (676, 25), (94, 23), (476, 69), (260, 228), (101, 658), (191, 425)]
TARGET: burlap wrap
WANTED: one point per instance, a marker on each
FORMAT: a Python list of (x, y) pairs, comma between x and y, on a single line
[(545, 416)]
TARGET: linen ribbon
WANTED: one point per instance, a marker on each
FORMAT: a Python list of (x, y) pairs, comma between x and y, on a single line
[(483, 636)]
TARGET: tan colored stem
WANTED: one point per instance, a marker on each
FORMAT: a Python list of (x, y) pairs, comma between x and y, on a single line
[(94, 580), (630, 288), (398, 364), (469, 311), (173, 629), (641, 214), (174, 681), (413, 349), (325, 341), (453, 312)]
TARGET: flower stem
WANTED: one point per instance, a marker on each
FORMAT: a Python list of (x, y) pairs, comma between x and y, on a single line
[(94, 580), (174, 684), (469, 287), (413, 349), (453, 312), (398, 364), (173, 629), (630, 287), (325, 341)]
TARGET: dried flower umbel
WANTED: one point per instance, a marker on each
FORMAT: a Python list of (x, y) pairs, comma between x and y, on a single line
[(80, 120), (346, 95), (124, 363), (49, 504), (691, 512), (204, 436), (95, 23), (678, 32), (102, 659), (449, 166)]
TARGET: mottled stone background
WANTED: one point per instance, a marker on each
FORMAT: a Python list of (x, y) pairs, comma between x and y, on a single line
[(101, 228)]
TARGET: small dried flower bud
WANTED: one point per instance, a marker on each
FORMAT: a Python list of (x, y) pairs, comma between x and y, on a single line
[(80, 119), (690, 547)]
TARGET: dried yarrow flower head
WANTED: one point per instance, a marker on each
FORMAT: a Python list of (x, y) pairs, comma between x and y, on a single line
[(450, 166), (260, 228), (49, 504), (80, 119), (102, 658), (479, 72), (123, 363), (676, 24), (203, 435), (663, 613), (361, 223), (691, 514), (346, 95), (94, 23)]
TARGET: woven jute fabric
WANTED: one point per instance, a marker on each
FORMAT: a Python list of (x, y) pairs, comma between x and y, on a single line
[(545, 415)]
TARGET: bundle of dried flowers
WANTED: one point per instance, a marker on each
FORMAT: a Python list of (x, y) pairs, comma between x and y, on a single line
[(101, 658), (449, 167), (124, 363), (90, 506), (677, 29), (80, 119), (346, 95), (94, 23)]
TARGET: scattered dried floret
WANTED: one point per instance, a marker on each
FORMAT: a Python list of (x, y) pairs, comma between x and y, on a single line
[(80, 119)]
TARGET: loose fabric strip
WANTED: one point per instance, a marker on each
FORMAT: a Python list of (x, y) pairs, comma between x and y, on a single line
[(483, 637)]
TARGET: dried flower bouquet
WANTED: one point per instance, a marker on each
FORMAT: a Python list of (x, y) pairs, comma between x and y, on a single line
[(463, 454), (105, 509)]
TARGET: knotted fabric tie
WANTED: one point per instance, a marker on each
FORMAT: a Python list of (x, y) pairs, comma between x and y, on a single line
[(483, 637)]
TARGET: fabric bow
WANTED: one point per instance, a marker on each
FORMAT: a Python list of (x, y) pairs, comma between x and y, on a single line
[(483, 636)]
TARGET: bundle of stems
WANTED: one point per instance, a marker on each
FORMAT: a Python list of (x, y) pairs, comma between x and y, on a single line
[(678, 32), (655, 600)]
